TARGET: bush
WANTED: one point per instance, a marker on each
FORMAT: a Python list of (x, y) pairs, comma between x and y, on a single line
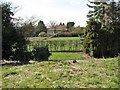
[(37, 54), (23, 57), (41, 53)]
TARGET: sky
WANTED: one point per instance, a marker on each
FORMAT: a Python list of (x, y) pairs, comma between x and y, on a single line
[(53, 10)]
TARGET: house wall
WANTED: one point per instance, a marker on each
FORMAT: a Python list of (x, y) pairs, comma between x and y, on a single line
[(50, 32)]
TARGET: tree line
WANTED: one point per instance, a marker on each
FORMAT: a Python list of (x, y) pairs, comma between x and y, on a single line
[(29, 28)]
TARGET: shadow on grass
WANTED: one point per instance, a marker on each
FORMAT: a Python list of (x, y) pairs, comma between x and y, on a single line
[(55, 60), (14, 63)]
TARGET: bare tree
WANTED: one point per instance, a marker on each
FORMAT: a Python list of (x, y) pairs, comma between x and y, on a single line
[(52, 23), (27, 27)]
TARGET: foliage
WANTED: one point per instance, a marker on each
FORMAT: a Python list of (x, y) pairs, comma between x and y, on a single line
[(100, 73), (40, 53), (101, 34), (58, 45), (62, 24), (100, 42), (20, 52), (77, 29), (117, 20), (13, 43), (106, 13), (41, 27), (28, 29), (70, 25), (98, 11), (8, 31), (91, 42), (71, 34)]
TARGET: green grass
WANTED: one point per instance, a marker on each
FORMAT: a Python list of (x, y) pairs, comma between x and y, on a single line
[(65, 38), (101, 73), (65, 56), (54, 38), (36, 38)]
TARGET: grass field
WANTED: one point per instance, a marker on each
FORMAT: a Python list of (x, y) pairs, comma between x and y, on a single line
[(36, 38), (61, 72), (54, 38), (100, 73), (65, 38), (65, 56)]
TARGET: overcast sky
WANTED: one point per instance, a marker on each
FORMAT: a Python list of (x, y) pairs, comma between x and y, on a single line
[(49, 10)]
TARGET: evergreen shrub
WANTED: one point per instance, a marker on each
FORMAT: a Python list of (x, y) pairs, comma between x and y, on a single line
[(41, 53), (100, 42)]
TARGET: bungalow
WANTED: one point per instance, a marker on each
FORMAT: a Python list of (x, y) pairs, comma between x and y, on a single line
[(56, 30)]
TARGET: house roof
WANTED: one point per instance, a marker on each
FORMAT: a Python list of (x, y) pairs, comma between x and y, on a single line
[(59, 28)]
